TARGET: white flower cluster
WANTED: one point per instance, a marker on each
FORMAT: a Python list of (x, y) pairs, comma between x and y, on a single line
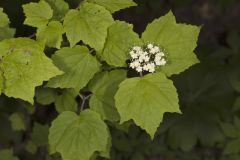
[(147, 58)]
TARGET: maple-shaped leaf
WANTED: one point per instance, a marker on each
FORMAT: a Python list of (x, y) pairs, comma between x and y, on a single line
[(23, 66), (177, 40)]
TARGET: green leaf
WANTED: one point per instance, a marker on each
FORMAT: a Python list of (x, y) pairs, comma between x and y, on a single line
[(237, 125), (232, 147), (66, 101), (103, 87), (1, 81), (186, 144), (146, 99), (195, 125), (45, 96), (40, 134), (79, 67), (105, 154), (107, 151), (122, 127), (29, 108), (17, 122), (51, 34), (119, 40), (89, 24), (20, 59), (234, 79), (236, 104), (60, 8), (114, 5), (6, 32), (7, 154), (78, 137), (229, 130), (4, 21), (178, 40), (37, 14), (31, 147)]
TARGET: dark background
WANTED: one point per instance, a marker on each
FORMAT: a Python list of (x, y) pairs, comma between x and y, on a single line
[(208, 91)]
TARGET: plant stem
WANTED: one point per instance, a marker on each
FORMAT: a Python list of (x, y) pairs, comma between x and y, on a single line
[(91, 51), (84, 98), (141, 74), (32, 35)]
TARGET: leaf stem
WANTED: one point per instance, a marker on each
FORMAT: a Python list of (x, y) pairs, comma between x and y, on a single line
[(91, 51), (32, 35), (84, 98)]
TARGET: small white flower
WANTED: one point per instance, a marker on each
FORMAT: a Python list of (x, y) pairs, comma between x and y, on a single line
[(158, 62), (140, 53), (132, 65), (135, 64), (156, 49), (150, 46), (139, 69), (151, 67), (136, 48), (147, 58), (134, 56), (141, 58), (160, 54), (145, 53), (157, 58), (152, 51), (145, 67), (163, 62)]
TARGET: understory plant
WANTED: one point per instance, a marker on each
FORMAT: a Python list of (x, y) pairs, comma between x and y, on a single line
[(96, 71)]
